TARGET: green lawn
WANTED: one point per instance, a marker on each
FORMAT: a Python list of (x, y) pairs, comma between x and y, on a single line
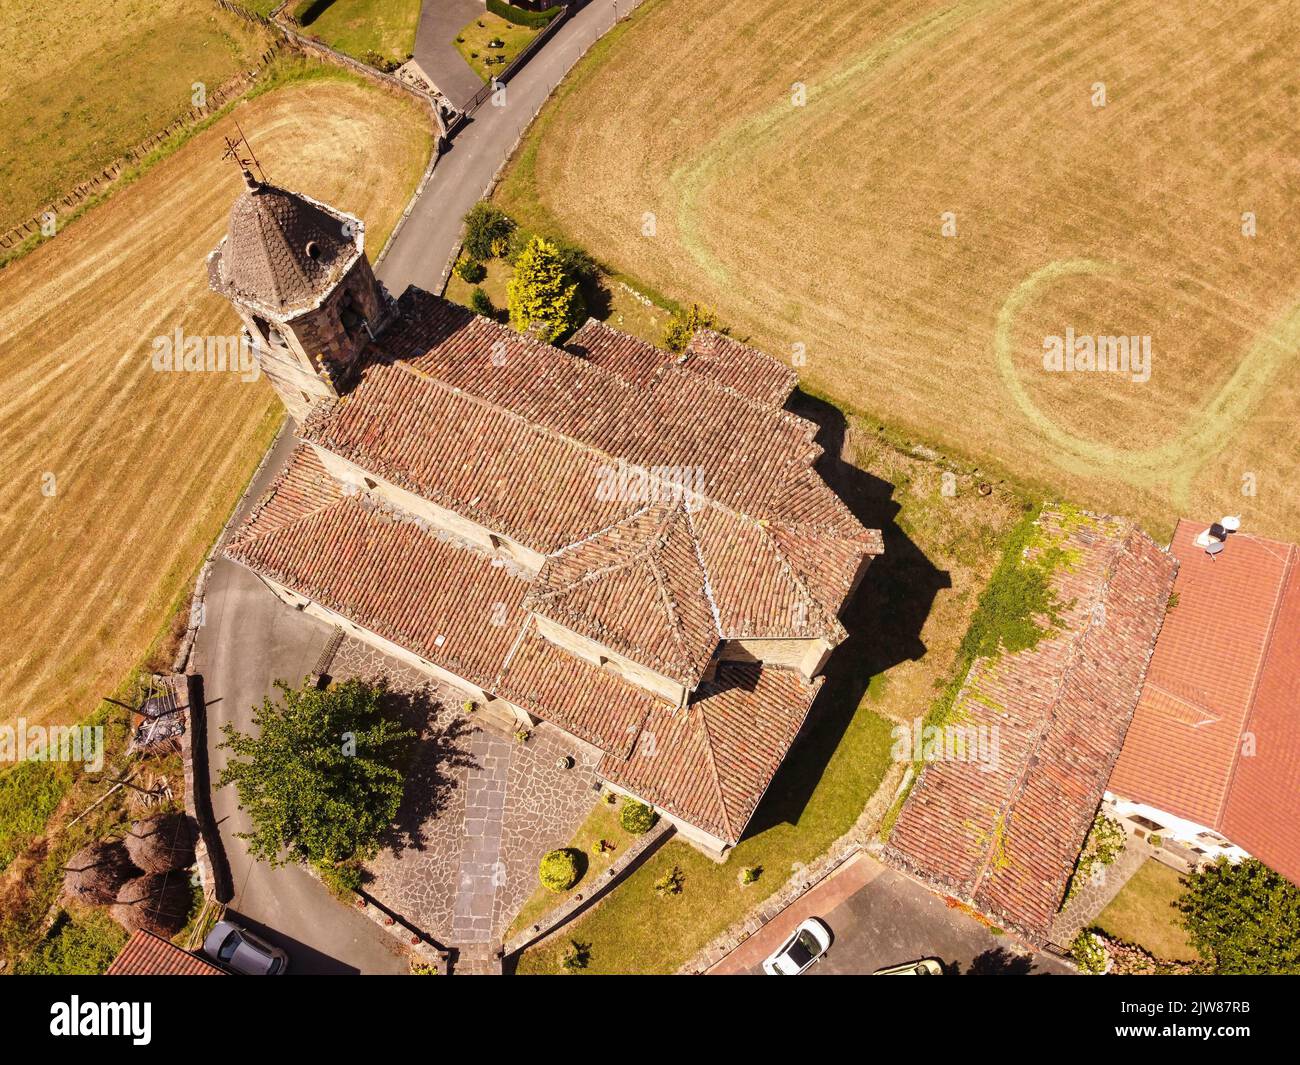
[(635, 930), (472, 42), (1143, 913), (601, 824), (363, 28)]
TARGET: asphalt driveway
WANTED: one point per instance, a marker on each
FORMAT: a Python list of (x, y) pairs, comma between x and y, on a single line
[(435, 50), (879, 918)]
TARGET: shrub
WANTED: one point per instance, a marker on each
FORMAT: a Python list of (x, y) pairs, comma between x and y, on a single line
[(750, 874), (681, 327), (1104, 844), (578, 263), (343, 879), (542, 298), (471, 271), (520, 17), (481, 303), (671, 882), (487, 230), (576, 955), (84, 945), (637, 818), (558, 870), (1089, 953)]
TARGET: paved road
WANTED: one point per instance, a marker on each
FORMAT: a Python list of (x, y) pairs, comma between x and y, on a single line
[(250, 639), (880, 918), (419, 254), (435, 49)]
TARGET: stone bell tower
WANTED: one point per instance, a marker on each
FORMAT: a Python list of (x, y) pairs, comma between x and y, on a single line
[(297, 273)]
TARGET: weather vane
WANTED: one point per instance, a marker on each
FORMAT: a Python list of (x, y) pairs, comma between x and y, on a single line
[(233, 151)]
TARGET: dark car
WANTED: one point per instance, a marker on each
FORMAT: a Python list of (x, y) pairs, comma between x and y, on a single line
[(242, 952)]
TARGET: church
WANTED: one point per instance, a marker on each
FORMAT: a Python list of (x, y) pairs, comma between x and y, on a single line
[(508, 516)]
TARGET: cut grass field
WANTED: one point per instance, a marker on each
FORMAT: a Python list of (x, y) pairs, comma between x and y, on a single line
[(905, 627), (819, 220), (358, 27), (76, 99), (117, 478), (1143, 913), (472, 43)]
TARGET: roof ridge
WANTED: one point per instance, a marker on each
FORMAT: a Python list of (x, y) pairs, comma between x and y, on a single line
[(266, 499), (713, 764)]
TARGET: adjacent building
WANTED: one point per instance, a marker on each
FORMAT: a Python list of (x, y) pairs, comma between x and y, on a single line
[(633, 545), (1211, 761), (1001, 831)]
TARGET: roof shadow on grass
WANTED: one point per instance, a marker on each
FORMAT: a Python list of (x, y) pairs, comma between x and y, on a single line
[(884, 619)]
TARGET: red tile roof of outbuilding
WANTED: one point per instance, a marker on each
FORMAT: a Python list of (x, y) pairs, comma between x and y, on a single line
[(1216, 735)]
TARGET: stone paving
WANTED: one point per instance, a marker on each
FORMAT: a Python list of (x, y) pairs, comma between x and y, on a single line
[(1095, 894), (480, 809)]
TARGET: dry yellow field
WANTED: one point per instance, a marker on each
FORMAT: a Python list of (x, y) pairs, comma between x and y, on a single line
[(81, 85), (954, 184), (115, 477)]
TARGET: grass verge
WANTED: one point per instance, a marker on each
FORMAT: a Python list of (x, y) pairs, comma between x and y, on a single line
[(1143, 913)]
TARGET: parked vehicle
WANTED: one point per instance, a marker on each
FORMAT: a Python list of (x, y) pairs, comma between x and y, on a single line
[(240, 951), (924, 967), (809, 942)]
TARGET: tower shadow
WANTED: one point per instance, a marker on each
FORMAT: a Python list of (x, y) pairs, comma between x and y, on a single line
[(884, 618)]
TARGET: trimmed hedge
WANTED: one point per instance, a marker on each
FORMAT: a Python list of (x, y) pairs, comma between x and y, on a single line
[(558, 870), (519, 16)]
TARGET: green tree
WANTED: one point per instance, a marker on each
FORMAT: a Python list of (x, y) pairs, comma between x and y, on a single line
[(681, 327), (542, 296), (321, 777), (487, 231), (1244, 918)]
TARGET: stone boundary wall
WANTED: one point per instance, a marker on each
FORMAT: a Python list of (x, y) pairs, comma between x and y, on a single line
[(583, 900), (404, 935), (229, 90)]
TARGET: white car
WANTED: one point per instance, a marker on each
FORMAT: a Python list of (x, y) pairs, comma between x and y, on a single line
[(924, 967), (806, 945)]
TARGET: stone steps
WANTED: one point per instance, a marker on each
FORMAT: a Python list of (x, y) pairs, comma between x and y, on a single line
[(478, 959)]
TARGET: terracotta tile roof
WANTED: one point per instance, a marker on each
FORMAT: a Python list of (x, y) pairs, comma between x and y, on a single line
[(1225, 677), (1005, 837), (146, 954), (410, 422), (593, 704), (746, 452), (750, 372), (520, 437), (711, 762), (713, 759), (470, 456), (637, 587), (627, 357), (454, 605)]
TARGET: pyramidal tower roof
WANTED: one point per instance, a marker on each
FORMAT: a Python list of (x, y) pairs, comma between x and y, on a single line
[(283, 250)]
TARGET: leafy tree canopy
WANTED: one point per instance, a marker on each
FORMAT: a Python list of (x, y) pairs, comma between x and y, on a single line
[(542, 296), (681, 327), (321, 777), (1244, 918)]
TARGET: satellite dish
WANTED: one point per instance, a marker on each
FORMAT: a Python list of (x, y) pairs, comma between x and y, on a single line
[(1231, 522)]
